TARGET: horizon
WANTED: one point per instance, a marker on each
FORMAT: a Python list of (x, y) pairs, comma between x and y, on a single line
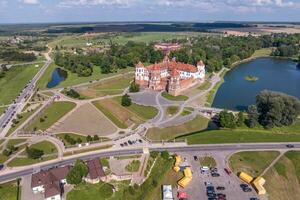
[(85, 11)]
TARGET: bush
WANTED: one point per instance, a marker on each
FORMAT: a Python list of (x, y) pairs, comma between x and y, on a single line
[(126, 100), (72, 93), (34, 153), (165, 155), (227, 119), (134, 87), (76, 174)]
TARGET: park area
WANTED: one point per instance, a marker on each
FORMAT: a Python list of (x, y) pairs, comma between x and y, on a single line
[(10, 191)]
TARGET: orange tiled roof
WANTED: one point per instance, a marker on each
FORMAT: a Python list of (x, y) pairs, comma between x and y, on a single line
[(170, 65)]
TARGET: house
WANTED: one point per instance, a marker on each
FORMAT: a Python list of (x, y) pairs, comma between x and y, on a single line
[(96, 172), (169, 75), (167, 47), (50, 182)]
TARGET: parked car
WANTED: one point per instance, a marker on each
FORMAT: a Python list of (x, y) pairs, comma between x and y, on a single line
[(247, 189), (195, 158), (220, 188), (227, 171), (254, 198), (243, 185), (290, 146), (1, 166), (215, 174)]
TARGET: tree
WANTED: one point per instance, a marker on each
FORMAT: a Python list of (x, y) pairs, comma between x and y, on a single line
[(126, 100), (253, 115), (76, 174), (134, 87), (165, 155), (34, 153), (227, 119), (96, 138), (89, 138), (240, 119), (277, 109), (73, 93)]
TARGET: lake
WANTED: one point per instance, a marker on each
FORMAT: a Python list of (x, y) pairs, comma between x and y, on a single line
[(58, 75), (273, 74)]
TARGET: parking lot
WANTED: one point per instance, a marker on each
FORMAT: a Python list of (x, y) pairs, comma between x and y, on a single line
[(197, 189)]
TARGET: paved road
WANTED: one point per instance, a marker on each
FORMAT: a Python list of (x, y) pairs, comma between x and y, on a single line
[(126, 151), (14, 109)]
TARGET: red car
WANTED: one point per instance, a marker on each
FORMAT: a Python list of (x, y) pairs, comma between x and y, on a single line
[(227, 171)]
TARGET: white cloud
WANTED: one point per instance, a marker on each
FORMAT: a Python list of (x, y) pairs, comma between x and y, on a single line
[(31, 2), (70, 3)]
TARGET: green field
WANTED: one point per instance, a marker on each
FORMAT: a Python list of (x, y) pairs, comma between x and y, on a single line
[(9, 191), (17, 162), (174, 98), (172, 110), (53, 113), (252, 162), (14, 81), (197, 124), (46, 146), (133, 166), (240, 136), (262, 53), (13, 142), (282, 180)]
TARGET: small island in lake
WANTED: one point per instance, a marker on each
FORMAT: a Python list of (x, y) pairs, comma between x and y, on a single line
[(251, 78)]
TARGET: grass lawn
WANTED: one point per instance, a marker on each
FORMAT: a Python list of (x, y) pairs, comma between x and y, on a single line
[(46, 146), (88, 150), (9, 191), (204, 86), (14, 81), (25, 116), (127, 157), (212, 93), (282, 180), (133, 166), (108, 87), (2, 109), (101, 191), (145, 112), (172, 110), (17, 162), (123, 117), (252, 162), (54, 112), (262, 52), (46, 77), (13, 142), (174, 98), (72, 135), (242, 135), (207, 161), (197, 124)]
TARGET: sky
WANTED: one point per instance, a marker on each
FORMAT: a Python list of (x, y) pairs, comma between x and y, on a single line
[(34, 11)]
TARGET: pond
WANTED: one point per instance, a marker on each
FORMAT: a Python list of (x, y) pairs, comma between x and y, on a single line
[(58, 75), (236, 93)]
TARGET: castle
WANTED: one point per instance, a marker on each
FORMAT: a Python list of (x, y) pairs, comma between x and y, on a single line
[(169, 75)]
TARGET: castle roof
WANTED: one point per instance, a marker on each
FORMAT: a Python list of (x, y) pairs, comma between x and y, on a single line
[(170, 65), (200, 62), (140, 65)]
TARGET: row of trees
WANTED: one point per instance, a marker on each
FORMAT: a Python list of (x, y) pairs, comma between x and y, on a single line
[(78, 140), (230, 120), (13, 55)]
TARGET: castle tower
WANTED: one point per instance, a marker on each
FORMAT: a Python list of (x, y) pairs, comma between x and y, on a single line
[(174, 84), (201, 69), (141, 74), (155, 78)]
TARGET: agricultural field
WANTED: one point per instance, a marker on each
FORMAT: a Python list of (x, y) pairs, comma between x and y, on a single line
[(14, 81), (197, 124), (51, 115)]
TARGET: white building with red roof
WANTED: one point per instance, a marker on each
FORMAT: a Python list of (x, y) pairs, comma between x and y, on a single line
[(172, 76)]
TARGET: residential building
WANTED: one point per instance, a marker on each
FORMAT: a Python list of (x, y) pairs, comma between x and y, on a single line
[(96, 172)]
